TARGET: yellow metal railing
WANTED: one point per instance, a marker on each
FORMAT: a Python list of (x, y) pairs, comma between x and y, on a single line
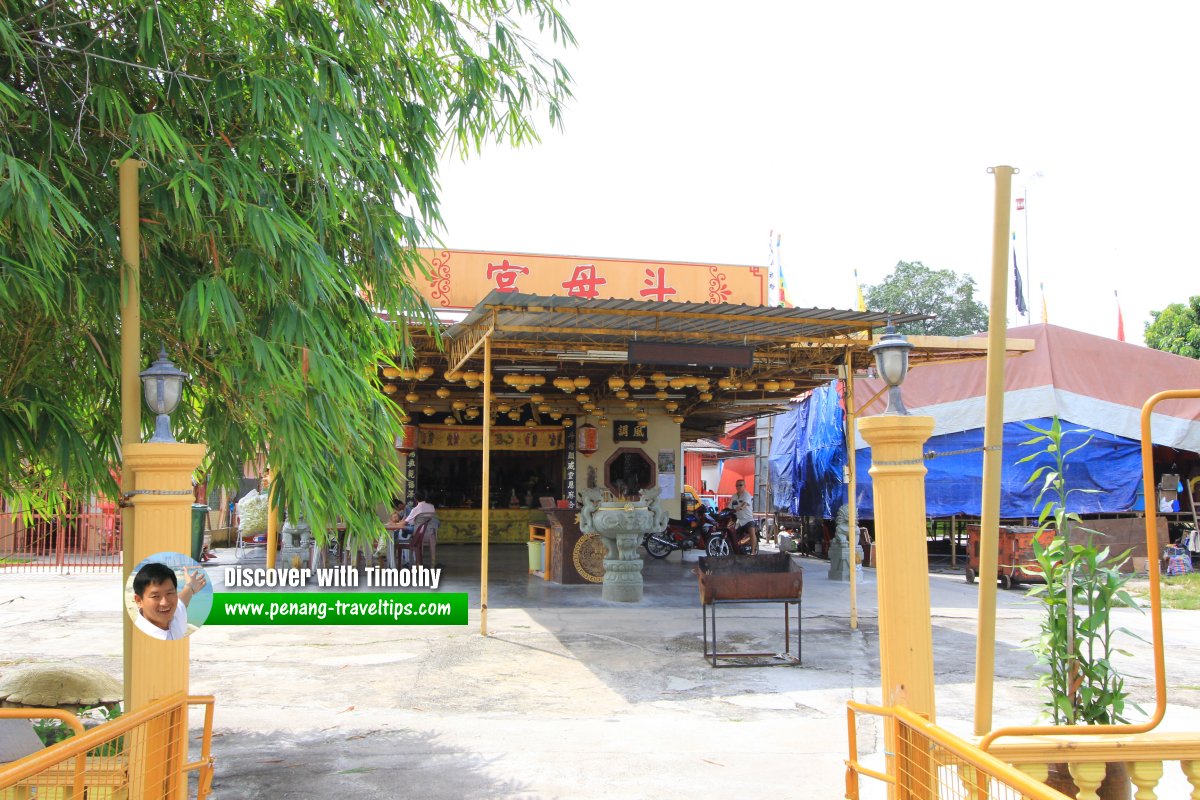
[(141, 754), (927, 762)]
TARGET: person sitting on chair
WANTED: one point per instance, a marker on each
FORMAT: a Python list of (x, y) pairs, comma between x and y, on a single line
[(422, 507)]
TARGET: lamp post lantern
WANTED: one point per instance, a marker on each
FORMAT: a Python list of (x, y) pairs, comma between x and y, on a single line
[(891, 361), (162, 386)]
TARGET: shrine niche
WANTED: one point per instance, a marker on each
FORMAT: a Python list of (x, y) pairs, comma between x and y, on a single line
[(628, 472)]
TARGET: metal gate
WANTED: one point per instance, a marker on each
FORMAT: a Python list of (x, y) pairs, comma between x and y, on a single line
[(84, 542)]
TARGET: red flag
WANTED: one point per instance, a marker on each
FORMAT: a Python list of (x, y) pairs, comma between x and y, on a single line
[(1120, 319)]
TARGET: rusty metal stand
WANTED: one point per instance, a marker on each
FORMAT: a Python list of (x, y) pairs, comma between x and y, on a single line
[(783, 659)]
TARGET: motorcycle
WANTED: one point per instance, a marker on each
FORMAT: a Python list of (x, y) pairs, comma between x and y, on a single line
[(724, 538), (692, 532)]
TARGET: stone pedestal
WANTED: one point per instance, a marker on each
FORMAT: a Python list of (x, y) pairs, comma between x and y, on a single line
[(621, 525), (839, 559)]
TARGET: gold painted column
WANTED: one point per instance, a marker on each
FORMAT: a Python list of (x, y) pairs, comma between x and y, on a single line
[(901, 560), (131, 364), (161, 502), (993, 439)]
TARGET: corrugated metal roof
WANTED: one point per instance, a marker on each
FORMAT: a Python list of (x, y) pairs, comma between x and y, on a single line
[(522, 314)]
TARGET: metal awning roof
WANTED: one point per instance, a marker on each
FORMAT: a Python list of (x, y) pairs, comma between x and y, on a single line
[(543, 317), (589, 338)]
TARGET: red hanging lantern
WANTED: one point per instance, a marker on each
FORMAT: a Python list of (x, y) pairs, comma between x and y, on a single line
[(588, 440), (408, 441)]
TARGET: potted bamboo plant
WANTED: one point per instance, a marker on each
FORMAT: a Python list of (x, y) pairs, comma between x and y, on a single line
[(1083, 584)]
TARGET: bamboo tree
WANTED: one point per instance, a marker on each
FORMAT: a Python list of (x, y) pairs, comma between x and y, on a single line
[(1084, 686), (291, 152)]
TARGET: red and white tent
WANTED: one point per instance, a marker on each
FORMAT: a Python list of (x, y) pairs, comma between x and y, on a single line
[(1090, 380)]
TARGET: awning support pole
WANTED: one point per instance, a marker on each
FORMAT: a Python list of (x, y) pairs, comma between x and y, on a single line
[(993, 438), (487, 483), (852, 489)]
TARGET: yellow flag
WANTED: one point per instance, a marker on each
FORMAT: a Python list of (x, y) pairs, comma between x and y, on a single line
[(862, 304)]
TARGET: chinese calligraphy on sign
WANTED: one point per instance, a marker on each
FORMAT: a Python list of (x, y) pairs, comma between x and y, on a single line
[(583, 282), (460, 279), (657, 281), (506, 275), (629, 431)]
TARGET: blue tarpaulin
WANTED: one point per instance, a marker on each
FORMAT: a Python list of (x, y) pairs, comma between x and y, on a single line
[(1109, 467), (808, 456)]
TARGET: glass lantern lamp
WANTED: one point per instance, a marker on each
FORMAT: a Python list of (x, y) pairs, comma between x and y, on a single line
[(162, 386), (891, 362)]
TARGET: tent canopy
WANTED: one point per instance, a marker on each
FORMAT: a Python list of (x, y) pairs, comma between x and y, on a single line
[(1091, 383)]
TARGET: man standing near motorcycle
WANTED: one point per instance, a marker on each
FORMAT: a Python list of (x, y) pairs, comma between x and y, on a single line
[(742, 502)]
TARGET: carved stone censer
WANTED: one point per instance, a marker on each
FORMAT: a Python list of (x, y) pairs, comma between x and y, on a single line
[(621, 525)]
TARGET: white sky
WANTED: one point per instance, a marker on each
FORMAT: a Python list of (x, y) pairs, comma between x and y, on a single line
[(862, 132)]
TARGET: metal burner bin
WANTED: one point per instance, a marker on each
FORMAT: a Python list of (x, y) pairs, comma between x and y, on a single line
[(742, 580)]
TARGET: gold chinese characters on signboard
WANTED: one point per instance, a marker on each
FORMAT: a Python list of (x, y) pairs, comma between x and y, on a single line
[(461, 278), (462, 437)]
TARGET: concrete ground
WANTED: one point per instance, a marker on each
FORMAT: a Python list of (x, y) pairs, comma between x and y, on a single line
[(570, 696)]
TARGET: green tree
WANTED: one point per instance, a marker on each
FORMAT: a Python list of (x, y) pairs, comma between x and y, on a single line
[(291, 166), (1176, 329), (947, 296)]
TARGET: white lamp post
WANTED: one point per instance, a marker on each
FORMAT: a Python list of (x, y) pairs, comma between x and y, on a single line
[(162, 385), (891, 361)]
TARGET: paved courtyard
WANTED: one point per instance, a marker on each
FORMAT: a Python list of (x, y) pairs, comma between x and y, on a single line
[(570, 696)]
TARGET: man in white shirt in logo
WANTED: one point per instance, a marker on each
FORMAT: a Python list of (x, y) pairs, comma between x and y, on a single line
[(162, 608)]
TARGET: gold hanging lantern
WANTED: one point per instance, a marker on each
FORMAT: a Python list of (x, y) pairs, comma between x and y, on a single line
[(504, 408), (661, 394), (391, 372), (452, 376), (771, 386), (637, 382), (544, 409), (582, 398), (725, 383), (428, 411), (787, 386), (602, 422), (514, 415), (471, 376), (641, 414), (389, 388), (621, 394), (556, 415), (424, 372), (631, 404), (459, 405), (450, 420), (705, 397), (530, 423), (671, 406), (442, 392), (537, 398), (412, 397), (658, 377), (678, 383), (567, 422), (749, 386), (616, 382), (677, 419), (582, 382)]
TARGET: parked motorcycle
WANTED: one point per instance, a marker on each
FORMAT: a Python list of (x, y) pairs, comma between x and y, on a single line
[(724, 538), (692, 532)]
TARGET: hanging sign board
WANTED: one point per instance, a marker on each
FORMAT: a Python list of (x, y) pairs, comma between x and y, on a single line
[(462, 437)]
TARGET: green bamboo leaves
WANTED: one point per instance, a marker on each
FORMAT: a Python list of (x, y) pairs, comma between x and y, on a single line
[(291, 157), (1084, 583)]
